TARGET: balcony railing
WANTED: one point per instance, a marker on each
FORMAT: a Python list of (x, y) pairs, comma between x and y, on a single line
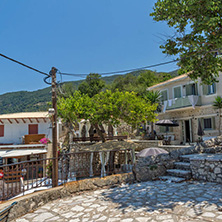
[(182, 103), (20, 177)]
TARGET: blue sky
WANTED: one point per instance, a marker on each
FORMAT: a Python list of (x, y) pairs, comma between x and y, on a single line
[(77, 37)]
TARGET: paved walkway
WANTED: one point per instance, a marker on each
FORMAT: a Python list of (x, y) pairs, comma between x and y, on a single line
[(148, 201)]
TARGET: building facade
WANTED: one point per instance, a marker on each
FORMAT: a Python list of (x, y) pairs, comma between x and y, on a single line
[(188, 102)]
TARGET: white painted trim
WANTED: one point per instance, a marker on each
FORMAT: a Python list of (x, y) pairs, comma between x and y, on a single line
[(180, 91)]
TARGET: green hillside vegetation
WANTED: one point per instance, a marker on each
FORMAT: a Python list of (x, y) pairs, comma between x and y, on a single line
[(25, 101)]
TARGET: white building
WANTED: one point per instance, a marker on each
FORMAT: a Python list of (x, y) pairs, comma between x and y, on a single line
[(13, 127)]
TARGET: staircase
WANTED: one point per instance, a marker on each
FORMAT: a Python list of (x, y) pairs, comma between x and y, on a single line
[(181, 171)]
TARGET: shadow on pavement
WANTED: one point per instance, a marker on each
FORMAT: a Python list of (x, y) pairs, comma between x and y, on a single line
[(164, 196)]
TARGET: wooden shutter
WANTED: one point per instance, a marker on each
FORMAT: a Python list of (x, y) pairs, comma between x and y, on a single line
[(205, 89), (188, 90), (177, 92), (214, 88), (33, 128), (1, 130)]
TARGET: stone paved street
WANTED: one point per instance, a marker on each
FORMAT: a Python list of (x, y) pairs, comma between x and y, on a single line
[(141, 202)]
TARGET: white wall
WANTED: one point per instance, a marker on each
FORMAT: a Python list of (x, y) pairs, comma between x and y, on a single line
[(14, 132)]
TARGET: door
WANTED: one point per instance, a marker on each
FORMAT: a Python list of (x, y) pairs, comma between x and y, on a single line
[(187, 131), (33, 128)]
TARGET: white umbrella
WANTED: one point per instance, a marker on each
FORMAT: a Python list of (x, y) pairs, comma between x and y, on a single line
[(153, 151)]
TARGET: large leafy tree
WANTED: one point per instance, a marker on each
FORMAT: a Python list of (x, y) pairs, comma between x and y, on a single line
[(106, 108), (92, 85), (198, 36)]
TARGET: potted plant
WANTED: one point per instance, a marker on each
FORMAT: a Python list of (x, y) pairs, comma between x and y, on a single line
[(40, 173), (49, 169)]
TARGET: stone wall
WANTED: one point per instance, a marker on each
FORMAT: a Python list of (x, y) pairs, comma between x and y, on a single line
[(208, 168), (151, 167), (31, 202)]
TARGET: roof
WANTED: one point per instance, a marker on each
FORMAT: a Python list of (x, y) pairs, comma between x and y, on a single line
[(24, 115), (178, 78)]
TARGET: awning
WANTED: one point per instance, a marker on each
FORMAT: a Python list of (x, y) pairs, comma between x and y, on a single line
[(17, 153)]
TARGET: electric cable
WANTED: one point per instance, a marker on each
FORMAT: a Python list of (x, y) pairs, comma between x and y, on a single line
[(123, 71), (20, 63)]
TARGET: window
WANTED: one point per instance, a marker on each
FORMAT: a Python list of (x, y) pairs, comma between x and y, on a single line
[(164, 129), (209, 89), (1, 130), (164, 95), (177, 92), (33, 128), (191, 89), (208, 123)]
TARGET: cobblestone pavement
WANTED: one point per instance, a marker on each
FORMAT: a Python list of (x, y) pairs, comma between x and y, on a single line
[(141, 202)]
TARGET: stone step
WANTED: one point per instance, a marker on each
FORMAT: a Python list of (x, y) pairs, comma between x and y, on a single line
[(179, 173), (182, 165), (172, 179), (185, 158)]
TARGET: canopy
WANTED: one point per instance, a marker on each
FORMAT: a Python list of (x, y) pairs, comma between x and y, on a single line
[(153, 151), (18, 153), (167, 122)]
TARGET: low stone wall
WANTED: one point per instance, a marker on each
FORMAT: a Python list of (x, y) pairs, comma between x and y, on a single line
[(151, 167), (142, 144), (207, 168), (31, 202)]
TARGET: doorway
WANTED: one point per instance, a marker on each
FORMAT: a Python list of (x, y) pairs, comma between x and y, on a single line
[(187, 131)]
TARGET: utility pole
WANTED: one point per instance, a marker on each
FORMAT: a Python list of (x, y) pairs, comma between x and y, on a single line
[(54, 130)]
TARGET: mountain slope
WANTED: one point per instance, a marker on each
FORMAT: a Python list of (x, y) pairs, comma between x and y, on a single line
[(25, 101)]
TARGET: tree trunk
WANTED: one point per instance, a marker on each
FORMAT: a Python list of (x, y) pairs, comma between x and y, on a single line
[(100, 132), (219, 121), (152, 130)]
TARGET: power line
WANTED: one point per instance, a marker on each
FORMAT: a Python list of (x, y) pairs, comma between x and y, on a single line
[(123, 71), (20, 63)]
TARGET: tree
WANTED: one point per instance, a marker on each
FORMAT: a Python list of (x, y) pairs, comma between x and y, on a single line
[(124, 83), (218, 105), (154, 98), (198, 37), (92, 85), (106, 108)]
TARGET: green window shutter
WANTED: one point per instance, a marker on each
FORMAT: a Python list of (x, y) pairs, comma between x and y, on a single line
[(213, 123), (177, 92), (205, 89), (188, 90), (214, 87), (164, 95)]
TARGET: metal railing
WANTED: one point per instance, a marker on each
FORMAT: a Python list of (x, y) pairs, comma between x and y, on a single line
[(33, 175)]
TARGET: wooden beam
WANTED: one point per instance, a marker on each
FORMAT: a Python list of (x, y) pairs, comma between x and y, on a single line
[(30, 120), (9, 121), (16, 121), (44, 119), (37, 120), (23, 120), (1, 122)]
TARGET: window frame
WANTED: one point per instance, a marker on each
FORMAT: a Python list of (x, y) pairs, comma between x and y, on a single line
[(29, 130), (2, 130), (181, 91), (167, 90)]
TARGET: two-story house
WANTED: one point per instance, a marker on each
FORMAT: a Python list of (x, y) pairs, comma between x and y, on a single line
[(188, 102)]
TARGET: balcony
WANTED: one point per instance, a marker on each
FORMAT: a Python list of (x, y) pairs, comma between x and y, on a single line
[(183, 102)]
